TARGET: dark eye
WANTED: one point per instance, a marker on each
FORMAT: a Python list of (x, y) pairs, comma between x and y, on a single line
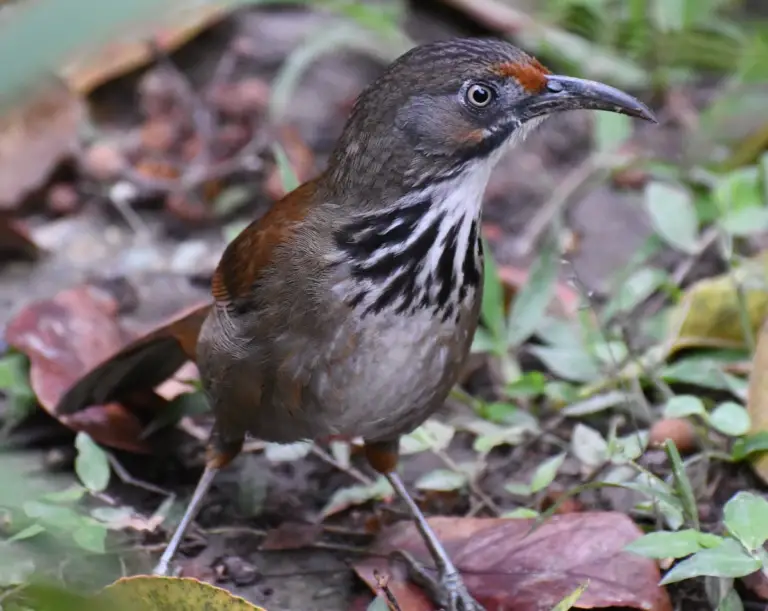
[(479, 96)]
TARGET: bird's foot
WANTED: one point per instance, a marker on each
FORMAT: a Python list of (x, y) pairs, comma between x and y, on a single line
[(447, 590)]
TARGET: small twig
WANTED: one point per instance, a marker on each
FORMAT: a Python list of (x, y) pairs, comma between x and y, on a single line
[(235, 530), (382, 583), (473, 485), (130, 480), (349, 470), (554, 206)]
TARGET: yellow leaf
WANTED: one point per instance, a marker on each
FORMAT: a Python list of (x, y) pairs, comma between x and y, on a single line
[(153, 593), (757, 400), (709, 315)]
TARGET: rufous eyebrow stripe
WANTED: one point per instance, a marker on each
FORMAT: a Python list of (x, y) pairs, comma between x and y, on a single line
[(531, 74)]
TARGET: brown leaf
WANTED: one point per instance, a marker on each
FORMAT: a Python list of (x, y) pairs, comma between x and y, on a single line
[(757, 400), (506, 566), (34, 138), (290, 536), (15, 240), (93, 67), (709, 314), (141, 364), (64, 338)]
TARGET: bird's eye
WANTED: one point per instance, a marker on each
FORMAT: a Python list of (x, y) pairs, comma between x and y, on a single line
[(479, 96)]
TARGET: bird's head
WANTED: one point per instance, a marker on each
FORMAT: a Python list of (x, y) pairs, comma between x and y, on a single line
[(444, 105)]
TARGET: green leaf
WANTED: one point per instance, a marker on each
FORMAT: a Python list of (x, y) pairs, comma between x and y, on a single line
[(597, 403), (287, 452), (739, 200), (730, 418), (492, 308), (752, 444), (530, 304), (357, 495), (546, 472), (746, 517), (90, 536), (27, 533), (683, 485), (444, 480), (531, 384), (673, 215), (707, 373), (431, 435), (635, 290), (91, 464), (288, 178), (588, 445), (745, 222), (728, 559), (378, 604), (53, 516), (521, 513), (666, 544), (574, 364), (69, 495), (682, 406), (567, 603), (518, 488), (483, 342), (503, 413), (731, 602), (611, 131)]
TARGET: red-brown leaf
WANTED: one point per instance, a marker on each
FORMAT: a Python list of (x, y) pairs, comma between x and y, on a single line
[(508, 568), (64, 338)]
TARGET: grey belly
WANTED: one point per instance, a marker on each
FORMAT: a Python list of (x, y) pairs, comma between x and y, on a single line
[(394, 375)]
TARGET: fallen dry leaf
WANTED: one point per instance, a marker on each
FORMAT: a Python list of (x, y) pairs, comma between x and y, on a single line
[(15, 240), (64, 338), (709, 315), (139, 365), (757, 400), (91, 67), (93, 375), (506, 567), (35, 136)]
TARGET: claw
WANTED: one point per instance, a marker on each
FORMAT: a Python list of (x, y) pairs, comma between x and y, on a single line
[(447, 590)]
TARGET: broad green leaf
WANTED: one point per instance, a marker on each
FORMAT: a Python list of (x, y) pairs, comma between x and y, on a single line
[(90, 536), (91, 464), (728, 559), (432, 435), (574, 364), (529, 385), (746, 517), (666, 544), (518, 488), (545, 473), (503, 413), (673, 215), (357, 495), (53, 516), (71, 494), (442, 479), (635, 290), (588, 445), (707, 373), (597, 403), (745, 221), (738, 197), (483, 342), (731, 602), (628, 448), (730, 418), (523, 513), (750, 445), (682, 406), (530, 303)]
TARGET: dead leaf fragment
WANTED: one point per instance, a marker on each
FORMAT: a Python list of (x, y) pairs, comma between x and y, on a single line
[(64, 338), (35, 136), (757, 399), (505, 566), (709, 315), (291, 536)]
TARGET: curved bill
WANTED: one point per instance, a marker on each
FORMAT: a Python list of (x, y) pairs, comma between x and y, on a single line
[(569, 93)]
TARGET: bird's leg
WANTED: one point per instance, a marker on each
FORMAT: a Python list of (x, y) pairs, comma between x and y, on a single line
[(217, 459), (448, 590)]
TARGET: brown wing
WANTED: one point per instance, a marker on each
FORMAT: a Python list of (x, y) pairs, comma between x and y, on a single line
[(251, 251), (142, 364)]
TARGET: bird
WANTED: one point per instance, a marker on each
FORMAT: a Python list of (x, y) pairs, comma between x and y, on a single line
[(348, 309)]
